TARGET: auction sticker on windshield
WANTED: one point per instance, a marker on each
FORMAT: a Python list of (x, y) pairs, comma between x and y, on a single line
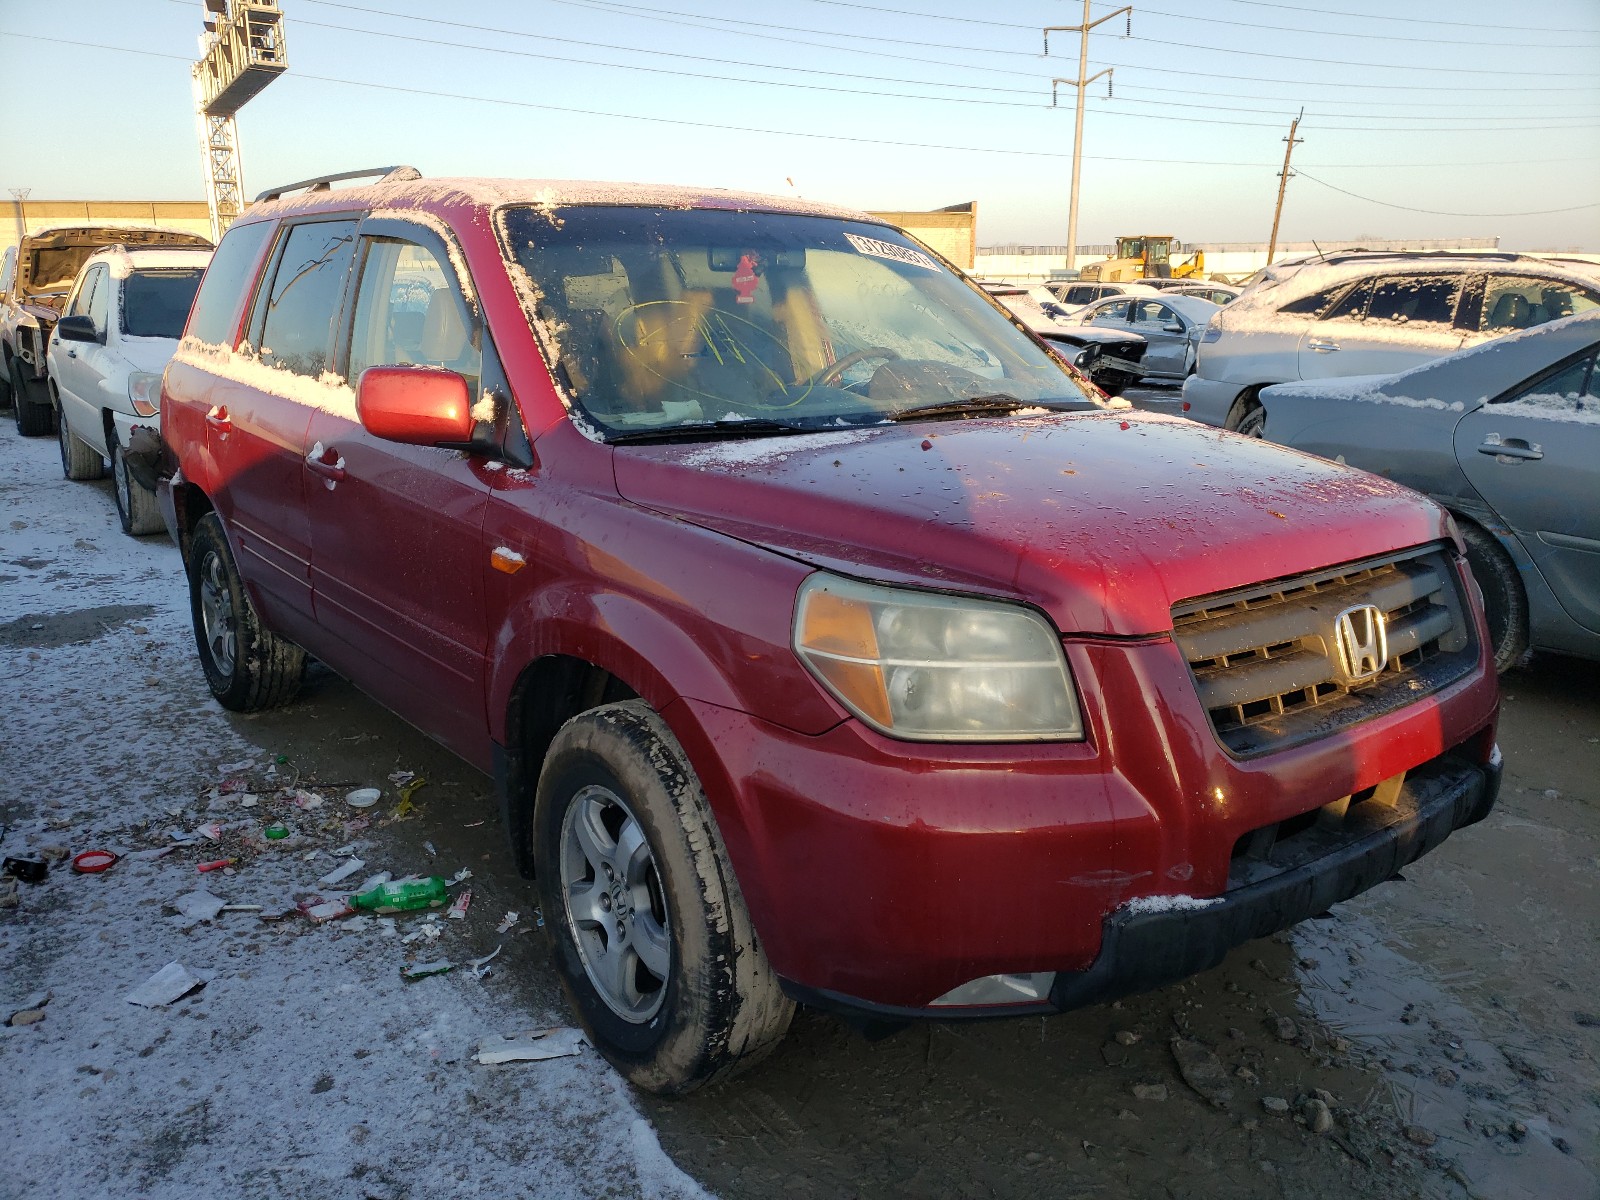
[(889, 250)]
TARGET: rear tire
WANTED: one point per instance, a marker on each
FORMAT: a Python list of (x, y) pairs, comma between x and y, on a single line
[(1505, 601), (247, 666), (137, 507), (1254, 423), (33, 420), (627, 855), (79, 460), (1246, 403)]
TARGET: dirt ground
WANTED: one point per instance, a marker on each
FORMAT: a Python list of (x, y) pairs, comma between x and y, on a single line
[(1450, 1023)]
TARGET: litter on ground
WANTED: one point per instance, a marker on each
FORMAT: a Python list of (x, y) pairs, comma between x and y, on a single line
[(533, 1046), (172, 982)]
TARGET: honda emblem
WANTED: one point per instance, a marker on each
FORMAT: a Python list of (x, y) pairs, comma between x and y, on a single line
[(1362, 640)]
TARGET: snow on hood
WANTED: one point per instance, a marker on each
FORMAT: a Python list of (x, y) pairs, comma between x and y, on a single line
[(1104, 520)]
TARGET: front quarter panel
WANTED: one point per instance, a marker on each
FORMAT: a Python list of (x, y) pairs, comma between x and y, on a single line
[(671, 609)]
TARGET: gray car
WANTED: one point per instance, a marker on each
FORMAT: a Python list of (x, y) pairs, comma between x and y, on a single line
[(1505, 435), (1171, 324)]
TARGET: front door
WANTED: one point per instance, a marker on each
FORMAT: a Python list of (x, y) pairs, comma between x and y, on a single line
[(1534, 457), (398, 558), (1168, 352), (80, 367)]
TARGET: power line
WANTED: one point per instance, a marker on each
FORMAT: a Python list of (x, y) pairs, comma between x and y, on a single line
[(1545, 212), (1377, 17), (817, 87), (839, 74), (1003, 151), (1147, 11), (691, 21)]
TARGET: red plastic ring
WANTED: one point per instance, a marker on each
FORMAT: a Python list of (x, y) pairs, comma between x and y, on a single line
[(92, 862)]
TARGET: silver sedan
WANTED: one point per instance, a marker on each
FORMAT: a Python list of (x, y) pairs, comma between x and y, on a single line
[(1507, 437), (1171, 324)]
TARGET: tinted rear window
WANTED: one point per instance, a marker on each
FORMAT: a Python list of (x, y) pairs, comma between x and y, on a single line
[(156, 303), (222, 294)]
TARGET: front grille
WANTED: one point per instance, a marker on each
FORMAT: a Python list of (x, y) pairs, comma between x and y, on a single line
[(1267, 665)]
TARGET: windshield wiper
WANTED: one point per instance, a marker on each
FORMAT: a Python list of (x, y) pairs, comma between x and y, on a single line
[(995, 404), (704, 430)]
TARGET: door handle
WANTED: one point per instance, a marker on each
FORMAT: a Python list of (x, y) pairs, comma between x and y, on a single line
[(1511, 448), (1322, 347), (218, 419), (331, 472)]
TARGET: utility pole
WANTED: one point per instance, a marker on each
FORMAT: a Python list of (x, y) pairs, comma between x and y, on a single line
[(1081, 82), (1283, 183), (241, 51)]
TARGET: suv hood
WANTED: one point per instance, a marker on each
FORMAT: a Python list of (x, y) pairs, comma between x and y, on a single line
[(1104, 520)]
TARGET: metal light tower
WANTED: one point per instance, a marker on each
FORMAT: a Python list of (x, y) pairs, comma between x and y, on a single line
[(241, 51)]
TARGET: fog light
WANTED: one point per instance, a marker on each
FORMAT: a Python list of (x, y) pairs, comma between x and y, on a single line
[(999, 989)]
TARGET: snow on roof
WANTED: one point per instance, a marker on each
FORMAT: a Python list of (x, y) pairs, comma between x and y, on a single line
[(124, 260), (548, 193)]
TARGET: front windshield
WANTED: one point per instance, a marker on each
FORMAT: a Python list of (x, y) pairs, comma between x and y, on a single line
[(156, 303), (671, 319)]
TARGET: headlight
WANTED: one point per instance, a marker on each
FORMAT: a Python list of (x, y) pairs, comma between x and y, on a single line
[(1081, 361), (144, 389), (934, 668)]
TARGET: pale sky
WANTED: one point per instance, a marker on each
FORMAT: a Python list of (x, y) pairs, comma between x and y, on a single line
[(1447, 108)]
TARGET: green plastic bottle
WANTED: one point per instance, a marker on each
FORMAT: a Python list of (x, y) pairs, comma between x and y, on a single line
[(403, 895)]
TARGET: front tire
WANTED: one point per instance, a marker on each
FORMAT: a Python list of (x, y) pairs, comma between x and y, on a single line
[(1505, 602), (247, 666), (137, 507), (648, 927), (79, 460)]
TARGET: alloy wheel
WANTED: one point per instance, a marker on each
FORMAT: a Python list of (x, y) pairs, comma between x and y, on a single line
[(615, 907), (216, 613)]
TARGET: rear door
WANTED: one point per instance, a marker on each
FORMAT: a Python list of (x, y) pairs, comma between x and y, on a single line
[(1534, 457), (1384, 324), (398, 558), (261, 409)]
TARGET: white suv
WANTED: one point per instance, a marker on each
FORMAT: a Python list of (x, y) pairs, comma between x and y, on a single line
[(1370, 313), (121, 324)]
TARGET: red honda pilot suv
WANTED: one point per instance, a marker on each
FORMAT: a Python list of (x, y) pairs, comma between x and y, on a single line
[(827, 638)]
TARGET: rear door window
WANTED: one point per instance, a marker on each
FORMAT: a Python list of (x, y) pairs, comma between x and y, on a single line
[(1415, 300), (294, 319), (1153, 314), (1512, 302)]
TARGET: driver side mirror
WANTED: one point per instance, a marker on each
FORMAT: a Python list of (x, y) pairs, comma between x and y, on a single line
[(416, 405), (78, 329), (1172, 327)]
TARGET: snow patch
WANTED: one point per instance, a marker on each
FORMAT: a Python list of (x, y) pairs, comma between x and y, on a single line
[(1165, 904), (759, 451), (328, 392)]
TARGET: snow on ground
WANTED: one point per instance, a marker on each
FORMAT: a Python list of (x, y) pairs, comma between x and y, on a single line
[(306, 1066)]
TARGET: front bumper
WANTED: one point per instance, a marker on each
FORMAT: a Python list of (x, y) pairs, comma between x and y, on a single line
[(1146, 946)]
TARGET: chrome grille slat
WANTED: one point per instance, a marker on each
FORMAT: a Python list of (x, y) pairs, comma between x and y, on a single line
[(1265, 659)]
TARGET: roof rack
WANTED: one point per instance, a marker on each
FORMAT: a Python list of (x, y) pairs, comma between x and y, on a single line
[(324, 183), (1357, 254)]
